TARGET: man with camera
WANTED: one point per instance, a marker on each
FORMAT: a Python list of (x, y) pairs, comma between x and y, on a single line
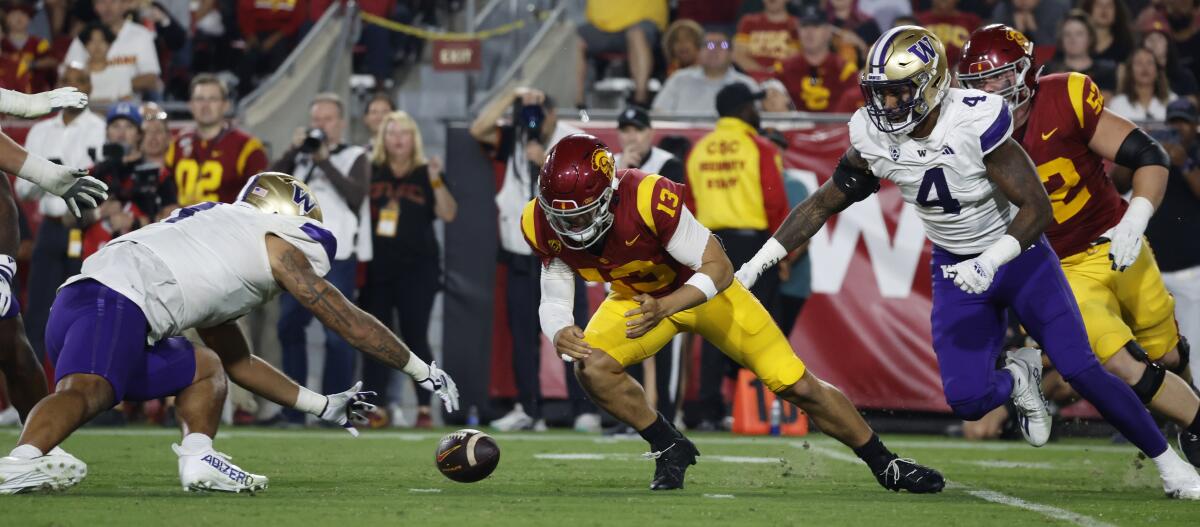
[(213, 161), (521, 144), (138, 189), (338, 175)]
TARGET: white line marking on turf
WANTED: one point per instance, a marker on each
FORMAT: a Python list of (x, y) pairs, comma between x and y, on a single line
[(574, 457), (995, 463), (981, 493), (426, 491), (719, 496), (587, 456)]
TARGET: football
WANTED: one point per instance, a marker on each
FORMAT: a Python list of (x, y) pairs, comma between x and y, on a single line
[(467, 455)]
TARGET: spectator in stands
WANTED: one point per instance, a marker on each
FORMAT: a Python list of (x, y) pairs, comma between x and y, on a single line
[(693, 89), (131, 56), (854, 26), (765, 39), (1172, 230), (742, 214), (819, 80), (269, 30), (1184, 31), (887, 13), (636, 137), (381, 42), (156, 140), (950, 25), (1038, 20), (777, 99), (213, 161), (721, 17), (108, 84), (1114, 29), (1076, 45), (1143, 91), (380, 106), (1156, 36), (170, 38), (681, 44), (627, 27), (521, 146), (407, 195), (73, 138), (32, 54), (338, 174), (142, 188), (211, 51)]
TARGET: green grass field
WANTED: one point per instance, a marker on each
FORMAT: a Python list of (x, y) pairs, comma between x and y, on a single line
[(563, 479)]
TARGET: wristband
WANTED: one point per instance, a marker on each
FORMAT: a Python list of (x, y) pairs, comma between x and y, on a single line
[(704, 283)]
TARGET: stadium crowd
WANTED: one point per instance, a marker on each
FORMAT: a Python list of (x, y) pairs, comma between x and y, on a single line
[(730, 59)]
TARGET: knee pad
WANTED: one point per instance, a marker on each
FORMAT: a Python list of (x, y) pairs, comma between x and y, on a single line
[(1152, 378)]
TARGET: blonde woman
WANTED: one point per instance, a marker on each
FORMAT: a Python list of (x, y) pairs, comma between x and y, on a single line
[(407, 196)]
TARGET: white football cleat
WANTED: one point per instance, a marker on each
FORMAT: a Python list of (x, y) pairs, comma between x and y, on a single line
[(1182, 486), (49, 472), (1025, 364), (209, 470)]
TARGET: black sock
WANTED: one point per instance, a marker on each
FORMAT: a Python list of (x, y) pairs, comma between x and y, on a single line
[(874, 453), (1195, 426), (660, 434)]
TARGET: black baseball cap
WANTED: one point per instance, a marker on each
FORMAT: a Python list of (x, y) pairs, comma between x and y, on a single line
[(1182, 109), (811, 14), (634, 116), (734, 96)]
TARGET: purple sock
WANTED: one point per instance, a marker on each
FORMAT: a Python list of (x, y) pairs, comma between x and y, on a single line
[(1121, 407)]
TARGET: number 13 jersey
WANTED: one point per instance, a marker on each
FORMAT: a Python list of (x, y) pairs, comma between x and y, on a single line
[(1063, 116), (944, 174)]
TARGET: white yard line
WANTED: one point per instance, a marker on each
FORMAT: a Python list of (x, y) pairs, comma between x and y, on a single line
[(981, 493), (590, 456)]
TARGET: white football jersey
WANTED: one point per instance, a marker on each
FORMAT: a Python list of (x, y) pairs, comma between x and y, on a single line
[(205, 265), (944, 174)]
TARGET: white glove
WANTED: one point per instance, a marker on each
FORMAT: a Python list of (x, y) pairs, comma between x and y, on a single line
[(346, 407), (770, 254), (1126, 236), (75, 186), (39, 104), (975, 275), (441, 384), (8, 269)]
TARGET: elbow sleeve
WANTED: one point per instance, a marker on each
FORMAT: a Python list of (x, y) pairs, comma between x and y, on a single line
[(1139, 150)]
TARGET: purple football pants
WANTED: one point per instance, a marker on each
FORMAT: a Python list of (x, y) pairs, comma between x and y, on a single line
[(93, 329), (968, 336)]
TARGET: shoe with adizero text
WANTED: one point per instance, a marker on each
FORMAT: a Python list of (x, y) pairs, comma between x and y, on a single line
[(209, 470), (906, 474), (670, 464)]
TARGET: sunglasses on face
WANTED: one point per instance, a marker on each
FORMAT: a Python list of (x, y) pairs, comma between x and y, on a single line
[(713, 45)]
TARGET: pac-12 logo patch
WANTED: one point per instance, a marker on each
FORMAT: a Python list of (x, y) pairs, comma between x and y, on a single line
[(895, 152)]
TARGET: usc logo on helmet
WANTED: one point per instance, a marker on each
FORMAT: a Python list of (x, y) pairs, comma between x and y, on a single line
[(602, 162)]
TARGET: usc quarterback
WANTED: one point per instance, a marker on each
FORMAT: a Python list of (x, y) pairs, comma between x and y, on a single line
[(669, 274), (1061, 122)]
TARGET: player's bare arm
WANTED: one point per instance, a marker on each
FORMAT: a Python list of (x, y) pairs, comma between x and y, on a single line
[(717, 268), (852, 181), (1014, 174), (1119, 140), (296, 275), (248, 371)]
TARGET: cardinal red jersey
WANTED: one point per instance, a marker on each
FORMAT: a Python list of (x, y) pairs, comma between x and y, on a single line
[(214, 170), (22, 59), (952, 29), (831, 86), (1062, 120), (769, 43), (633, 256)]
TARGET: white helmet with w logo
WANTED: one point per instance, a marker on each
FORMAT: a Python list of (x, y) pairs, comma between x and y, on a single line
[(279, 193), (905, 78)]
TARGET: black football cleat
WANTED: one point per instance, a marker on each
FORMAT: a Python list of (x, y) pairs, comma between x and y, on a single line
[(906, 474), (1189, 443), (670, 464)]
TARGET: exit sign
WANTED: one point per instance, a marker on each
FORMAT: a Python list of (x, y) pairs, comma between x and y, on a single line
[(456, 55)]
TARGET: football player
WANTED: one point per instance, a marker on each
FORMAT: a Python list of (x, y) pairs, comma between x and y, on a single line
[(951, 153), (1061, 122), (114, 331), (668, 275), (18, 363)]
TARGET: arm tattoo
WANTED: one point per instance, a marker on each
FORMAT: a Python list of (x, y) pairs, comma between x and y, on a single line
[(810, 215), (360, 329), (1013, 172)]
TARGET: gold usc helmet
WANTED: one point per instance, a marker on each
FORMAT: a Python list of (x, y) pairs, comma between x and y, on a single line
[(908, 65), (279, 193)]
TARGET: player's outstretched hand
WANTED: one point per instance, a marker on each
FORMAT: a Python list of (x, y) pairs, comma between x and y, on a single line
[(973, 276), (347, 407), (40, 104), (85, 190), (747, 274), (644, 317), (570, 344), (441, 384)]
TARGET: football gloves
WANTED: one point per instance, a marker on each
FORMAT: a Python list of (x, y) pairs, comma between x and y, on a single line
[(348, 407), (1126, 236), (8, 269), (441, 384)]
